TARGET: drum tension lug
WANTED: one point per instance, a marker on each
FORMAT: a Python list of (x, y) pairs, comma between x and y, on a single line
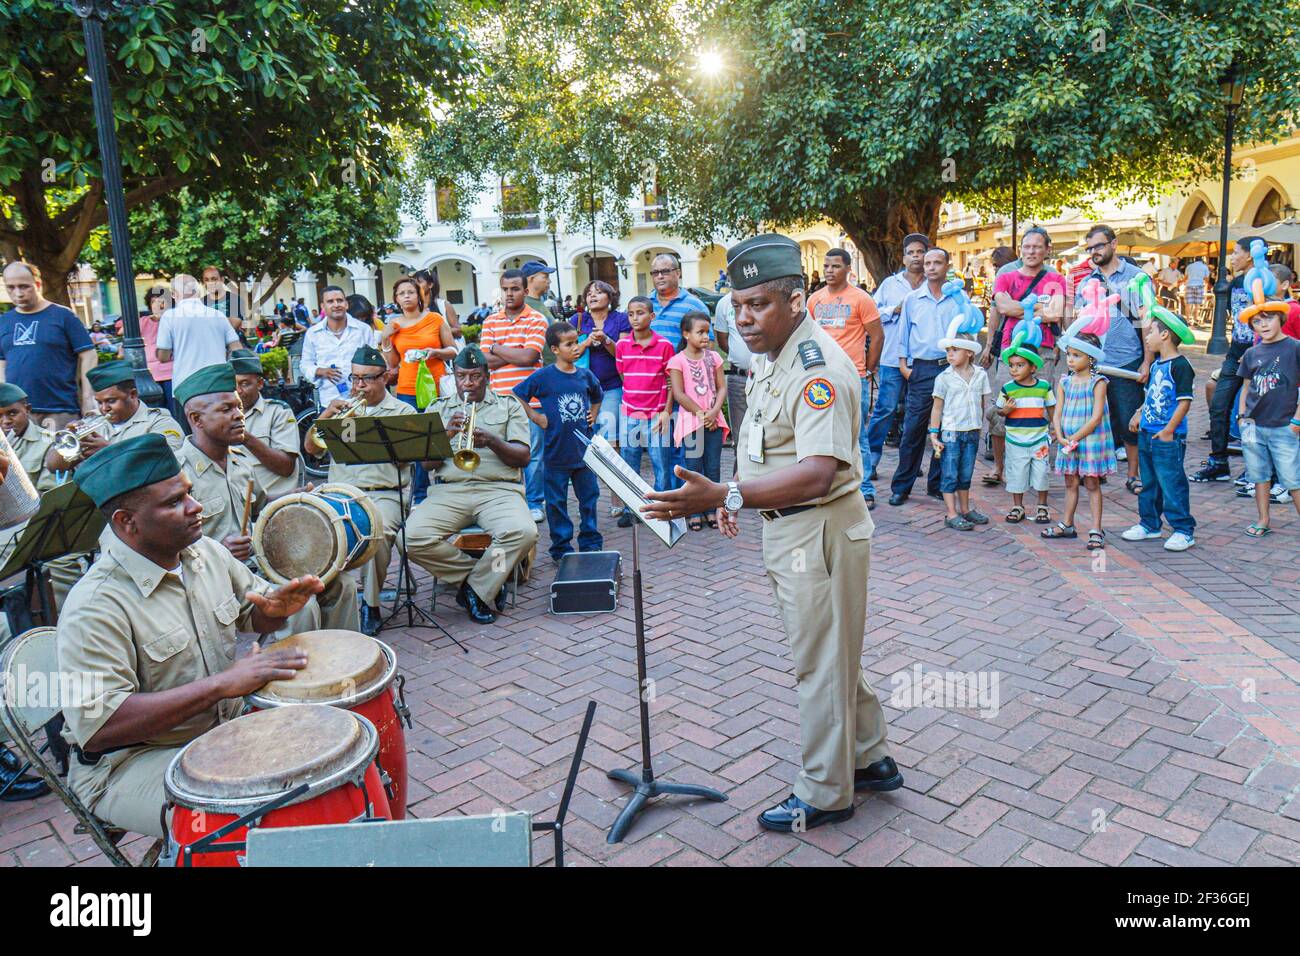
[(403, 711)]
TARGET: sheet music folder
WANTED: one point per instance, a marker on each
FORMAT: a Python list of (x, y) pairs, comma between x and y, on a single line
[(630, 487)]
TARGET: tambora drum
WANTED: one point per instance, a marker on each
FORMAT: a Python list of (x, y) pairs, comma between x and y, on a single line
[(347, 669), (253, 761), (335, 528)]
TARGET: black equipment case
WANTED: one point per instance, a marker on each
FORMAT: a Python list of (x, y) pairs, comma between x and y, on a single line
[(586, 582)]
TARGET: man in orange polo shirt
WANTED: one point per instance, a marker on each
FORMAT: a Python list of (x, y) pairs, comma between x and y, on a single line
[(513, 339), (849, 315)]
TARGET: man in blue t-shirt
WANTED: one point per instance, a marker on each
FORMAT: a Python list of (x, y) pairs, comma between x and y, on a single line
[(570, 398), (45, 350)]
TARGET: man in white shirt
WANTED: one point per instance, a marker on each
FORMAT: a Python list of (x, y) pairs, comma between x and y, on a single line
[(328, 347), (192, 335), (738, 359)]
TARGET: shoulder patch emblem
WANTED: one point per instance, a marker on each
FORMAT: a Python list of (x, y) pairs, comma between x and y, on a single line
[(819, 394), (172, 433), (810, 354)]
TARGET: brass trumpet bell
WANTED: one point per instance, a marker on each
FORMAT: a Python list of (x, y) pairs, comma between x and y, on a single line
[(465, 457)]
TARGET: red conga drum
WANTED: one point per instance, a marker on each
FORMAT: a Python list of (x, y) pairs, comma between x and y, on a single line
[(347, 669), (254, 761)]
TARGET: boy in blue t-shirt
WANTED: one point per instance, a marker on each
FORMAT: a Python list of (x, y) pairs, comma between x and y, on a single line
[(570, 398), (1161, 424)]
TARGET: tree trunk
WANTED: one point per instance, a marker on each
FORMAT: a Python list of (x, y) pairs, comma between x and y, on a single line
[(877, 223)]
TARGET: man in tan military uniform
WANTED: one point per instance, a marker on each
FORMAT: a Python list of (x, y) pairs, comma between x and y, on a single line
[(270, 428), (378, 481), (118, 400), (147, 639), (31, 443), (799, 465), (220, 470), (491, 496)]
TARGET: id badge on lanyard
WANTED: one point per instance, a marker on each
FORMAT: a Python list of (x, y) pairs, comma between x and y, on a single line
[(756, 439)]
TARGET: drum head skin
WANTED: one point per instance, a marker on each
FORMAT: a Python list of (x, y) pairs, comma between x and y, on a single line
[(367, 522), (340, 664), (268, 752), (300, 534)]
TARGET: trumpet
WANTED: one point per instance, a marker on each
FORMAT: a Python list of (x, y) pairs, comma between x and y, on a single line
[(465, 457), (347, 411), (67, 442)]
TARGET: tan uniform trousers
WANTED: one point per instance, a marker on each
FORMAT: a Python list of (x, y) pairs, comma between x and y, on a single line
[(133, 795), (500, 511), (818, 562), (374, 572)]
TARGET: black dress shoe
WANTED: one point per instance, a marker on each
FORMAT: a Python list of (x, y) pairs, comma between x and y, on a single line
[(935, 494), (795, 816), (625, 519), (871, 502), (500, 600), (474, 605), (881, 775), (25, 788), (9, 761), (369, 620), (897, 500)]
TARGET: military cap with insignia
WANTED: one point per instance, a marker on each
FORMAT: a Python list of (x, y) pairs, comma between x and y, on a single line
[(470, 357), (209, 380), (245, 362), (369, 355), (126, 466), (119, 372), (761, 259), (10, 394)]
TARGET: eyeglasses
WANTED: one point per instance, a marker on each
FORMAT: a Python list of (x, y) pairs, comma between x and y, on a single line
[(363, 379), (1097, 248), (662, 272)]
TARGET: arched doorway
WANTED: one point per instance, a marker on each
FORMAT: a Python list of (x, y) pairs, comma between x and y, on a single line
[(1200, 216), (1270, 209), (459, 283), (588, 266)]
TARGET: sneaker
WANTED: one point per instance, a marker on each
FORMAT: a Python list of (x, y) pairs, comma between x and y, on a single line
[(1280, 495), (1246, 490), (1239, 482), (625, 519), (1179, 542), (1214, 471), (1234, 447), (1139, 533), (537, 514)]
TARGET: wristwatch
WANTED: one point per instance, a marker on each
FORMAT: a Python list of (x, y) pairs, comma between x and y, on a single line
[(733, 502)]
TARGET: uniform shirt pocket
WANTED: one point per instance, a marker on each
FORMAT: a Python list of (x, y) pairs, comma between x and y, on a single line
[(166, 646)]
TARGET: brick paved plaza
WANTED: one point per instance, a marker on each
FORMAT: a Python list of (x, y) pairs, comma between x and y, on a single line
[(1148, 704)]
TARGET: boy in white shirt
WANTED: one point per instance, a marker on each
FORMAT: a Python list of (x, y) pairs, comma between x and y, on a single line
[(955, 421)]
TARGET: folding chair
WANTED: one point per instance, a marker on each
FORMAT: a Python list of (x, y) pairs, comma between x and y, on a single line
[(33, 654), (473, 540)]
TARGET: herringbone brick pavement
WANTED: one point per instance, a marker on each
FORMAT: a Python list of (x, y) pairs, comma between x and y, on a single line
[(1148, 711)]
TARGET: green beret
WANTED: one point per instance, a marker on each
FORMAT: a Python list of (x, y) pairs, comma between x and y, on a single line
[(369, 355), (11, 393), (126, 466), (119, 372), (762, 259), (245, 362), (206, 381), (470, 357)]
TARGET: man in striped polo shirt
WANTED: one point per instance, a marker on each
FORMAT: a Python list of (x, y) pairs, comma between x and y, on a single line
[(670, 301), (512, 340)]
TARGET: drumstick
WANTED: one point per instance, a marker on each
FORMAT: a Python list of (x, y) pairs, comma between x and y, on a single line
[(248, 506)]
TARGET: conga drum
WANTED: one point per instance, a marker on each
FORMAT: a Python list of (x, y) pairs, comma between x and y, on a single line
[(347, 669), (251, 762), (336, 528)]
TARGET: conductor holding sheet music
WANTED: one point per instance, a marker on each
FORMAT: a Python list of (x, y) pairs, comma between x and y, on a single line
[(799, 467)]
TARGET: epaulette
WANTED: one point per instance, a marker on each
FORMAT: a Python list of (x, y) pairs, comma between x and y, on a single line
[(810, 354)]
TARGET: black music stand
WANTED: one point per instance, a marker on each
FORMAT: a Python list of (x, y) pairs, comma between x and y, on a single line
[(394, 440), (631, 488), (67, 522)]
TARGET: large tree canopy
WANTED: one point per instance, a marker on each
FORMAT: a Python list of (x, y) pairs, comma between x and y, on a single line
[(870, 114), (216, 94)]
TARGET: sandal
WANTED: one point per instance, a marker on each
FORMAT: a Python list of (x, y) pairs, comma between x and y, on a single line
[(958, 524), (1062, 530), (992, 479), (1134, 485), (1015, 515), (695, 523), (1096, 540), (1258, 530), (1043, 516), (711, 521)]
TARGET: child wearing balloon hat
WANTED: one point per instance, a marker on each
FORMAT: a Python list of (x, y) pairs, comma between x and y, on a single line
[(1025, 402), (955, 418), (1161, 424)]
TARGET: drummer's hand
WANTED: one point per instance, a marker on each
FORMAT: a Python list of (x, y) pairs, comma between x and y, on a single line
[(696, 495), (257, 667), (727, 524), (240, 545), (288, 598)]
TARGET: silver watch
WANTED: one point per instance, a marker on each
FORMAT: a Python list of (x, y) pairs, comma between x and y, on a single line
[(733, 502)]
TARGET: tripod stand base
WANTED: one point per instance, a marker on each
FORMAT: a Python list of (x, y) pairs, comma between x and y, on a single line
[(644, 791)]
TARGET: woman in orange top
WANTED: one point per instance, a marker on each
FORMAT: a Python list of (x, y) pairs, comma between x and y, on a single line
[(415, 329)]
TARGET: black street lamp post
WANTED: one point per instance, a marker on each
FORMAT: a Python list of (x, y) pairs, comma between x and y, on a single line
[(1233, 86), (93, 13)]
